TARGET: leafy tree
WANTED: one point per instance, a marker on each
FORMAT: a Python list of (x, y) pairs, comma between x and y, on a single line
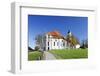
[(72, 41)]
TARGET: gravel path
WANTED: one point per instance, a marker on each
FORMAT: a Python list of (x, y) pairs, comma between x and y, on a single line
[(48, 56)]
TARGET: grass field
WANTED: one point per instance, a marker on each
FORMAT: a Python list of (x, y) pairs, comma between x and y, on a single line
[(70, 53), (36, 55)]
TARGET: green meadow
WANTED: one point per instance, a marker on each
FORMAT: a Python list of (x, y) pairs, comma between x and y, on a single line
[(36, 55), (70, 53)]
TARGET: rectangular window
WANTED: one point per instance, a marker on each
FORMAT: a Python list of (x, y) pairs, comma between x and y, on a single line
[(63, 44), (54, 43), (48, 43), (57, 43)]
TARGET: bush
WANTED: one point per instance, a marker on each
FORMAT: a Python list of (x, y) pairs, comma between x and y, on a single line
[(37, 48)]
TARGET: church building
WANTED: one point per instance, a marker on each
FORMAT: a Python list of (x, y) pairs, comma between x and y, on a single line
[(54, 40)]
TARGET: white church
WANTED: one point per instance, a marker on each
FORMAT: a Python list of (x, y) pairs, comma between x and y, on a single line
[(54, 40)]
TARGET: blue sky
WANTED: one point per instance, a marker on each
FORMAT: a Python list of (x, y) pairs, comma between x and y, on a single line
[(40, 24)]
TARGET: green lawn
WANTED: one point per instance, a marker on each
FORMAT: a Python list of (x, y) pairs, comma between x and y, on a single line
[(70, 53), (36, 55)]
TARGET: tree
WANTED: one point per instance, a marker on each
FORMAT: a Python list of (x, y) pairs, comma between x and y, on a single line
[(37, 48), (84, 44), (40, 41), (72, 41)]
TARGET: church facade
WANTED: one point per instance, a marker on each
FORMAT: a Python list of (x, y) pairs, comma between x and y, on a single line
[(54, 40)]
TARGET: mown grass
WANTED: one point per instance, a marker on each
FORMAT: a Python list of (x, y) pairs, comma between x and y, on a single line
[(36, 55), (70, 53)]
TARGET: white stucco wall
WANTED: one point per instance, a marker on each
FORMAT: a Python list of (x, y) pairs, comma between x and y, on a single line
[(77, 46), (58, 43)]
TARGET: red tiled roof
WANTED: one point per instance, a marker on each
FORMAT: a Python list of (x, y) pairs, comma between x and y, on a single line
[(55, 34)]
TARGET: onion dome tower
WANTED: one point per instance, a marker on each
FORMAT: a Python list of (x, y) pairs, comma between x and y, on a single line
[(69, 33)]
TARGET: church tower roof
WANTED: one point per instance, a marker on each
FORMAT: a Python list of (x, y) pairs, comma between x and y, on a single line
[(69, 31)]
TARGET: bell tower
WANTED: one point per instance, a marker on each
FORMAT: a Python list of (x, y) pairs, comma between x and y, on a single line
[(69, 33)]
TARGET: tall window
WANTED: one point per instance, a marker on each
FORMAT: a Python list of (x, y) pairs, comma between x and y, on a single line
[(54, 43), (48, 43), (57, 43), (63, 43)]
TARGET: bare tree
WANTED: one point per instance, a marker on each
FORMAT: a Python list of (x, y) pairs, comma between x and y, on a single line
[(40, 41), (84, 44)]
